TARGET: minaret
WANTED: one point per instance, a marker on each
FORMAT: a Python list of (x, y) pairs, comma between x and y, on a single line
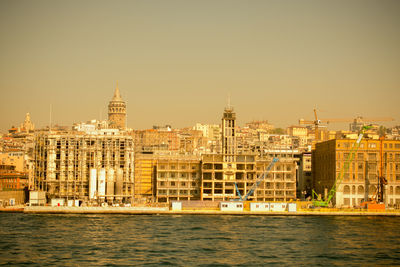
[(117, 111), (229, 134)]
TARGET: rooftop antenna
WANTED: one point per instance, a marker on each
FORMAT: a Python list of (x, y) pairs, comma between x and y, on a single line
[(126, 110), (50, 119), (229, 101)]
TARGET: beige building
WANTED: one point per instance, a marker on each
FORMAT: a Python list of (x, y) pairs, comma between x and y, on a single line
[(360, 181), (177, 178), (15, 158)]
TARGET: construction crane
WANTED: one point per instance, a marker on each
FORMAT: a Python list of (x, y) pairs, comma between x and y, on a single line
[(260, 178), (382, 181), (356, 121), (339, 179), (315, 122)]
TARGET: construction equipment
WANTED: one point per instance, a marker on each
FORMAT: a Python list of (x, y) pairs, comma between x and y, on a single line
[(382, 181), (325, 203), (377, 201), (355, 122), (315, 122), (260, 178)]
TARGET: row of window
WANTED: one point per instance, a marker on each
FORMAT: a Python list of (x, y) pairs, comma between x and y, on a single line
[(372, 190), (181, 184), (369, 156), (177, 192), (369, 145), (174, 175), (175, 167)]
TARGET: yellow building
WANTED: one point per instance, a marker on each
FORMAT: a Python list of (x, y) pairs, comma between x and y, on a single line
[(360, 182), (144, 168), (15, 158)]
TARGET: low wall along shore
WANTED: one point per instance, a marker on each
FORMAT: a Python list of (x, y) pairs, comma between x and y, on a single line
[(166, 210)]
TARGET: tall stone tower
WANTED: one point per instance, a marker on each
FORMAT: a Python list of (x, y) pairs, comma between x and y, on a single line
[(117, 111), (228, 134)]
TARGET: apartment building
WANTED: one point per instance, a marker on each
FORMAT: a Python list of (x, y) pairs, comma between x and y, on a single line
[(361, 180)]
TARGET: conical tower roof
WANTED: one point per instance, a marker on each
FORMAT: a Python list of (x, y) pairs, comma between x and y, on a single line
[(117, 94)]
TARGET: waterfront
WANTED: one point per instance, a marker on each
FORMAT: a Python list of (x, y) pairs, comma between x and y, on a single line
[(188, 240)]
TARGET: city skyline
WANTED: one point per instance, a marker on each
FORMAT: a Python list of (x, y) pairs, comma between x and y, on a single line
[(177, 62)]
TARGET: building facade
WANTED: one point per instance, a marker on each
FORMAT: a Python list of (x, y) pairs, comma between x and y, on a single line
[(177, 178), (88, 167), (223, 173), (360, 181)]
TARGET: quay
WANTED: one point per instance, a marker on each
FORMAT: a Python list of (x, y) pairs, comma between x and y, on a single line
[(168, 211)]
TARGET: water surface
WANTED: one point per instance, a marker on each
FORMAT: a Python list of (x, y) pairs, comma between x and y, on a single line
[(197, 240)]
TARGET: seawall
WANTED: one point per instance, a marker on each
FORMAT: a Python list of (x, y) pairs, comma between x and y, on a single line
[(167, 211)]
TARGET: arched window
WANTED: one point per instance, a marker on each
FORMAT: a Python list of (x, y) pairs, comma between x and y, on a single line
[(360, 189), (353, 189), (391, 190), (397, 190), (346, 189)]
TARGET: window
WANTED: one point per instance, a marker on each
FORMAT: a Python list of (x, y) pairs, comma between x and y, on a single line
[(346, 189), (371, 156), (360, 190), (372, 145)]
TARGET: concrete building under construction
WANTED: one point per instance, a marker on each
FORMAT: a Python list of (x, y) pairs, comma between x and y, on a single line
[(222, 173), (96, 167)]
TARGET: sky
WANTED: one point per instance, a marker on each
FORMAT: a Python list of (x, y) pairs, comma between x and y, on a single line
[(177, 62)]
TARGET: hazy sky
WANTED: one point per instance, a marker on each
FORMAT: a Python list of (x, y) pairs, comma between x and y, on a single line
[(177, 61)]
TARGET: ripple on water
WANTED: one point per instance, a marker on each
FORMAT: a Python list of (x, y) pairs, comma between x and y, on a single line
[(99, 240)]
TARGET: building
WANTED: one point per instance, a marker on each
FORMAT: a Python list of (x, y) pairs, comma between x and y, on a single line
[(304, 181), (177, 178), (145, 177), (261, 125), (95, 167), (27, 125), (360, 181), (10, 179), (15, 158), (117, 111), (223, 173), (228, 125)]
